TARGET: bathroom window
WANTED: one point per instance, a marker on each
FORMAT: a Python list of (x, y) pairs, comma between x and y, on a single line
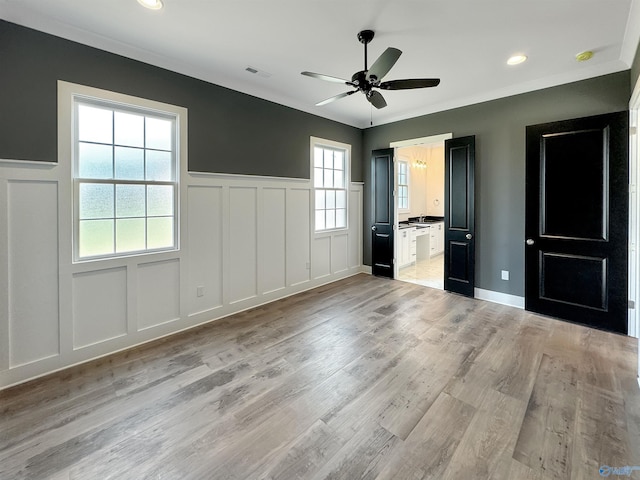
[(403, 185)]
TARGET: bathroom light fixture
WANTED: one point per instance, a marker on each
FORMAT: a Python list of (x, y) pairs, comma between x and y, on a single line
[(420, 164), (151, 4), (516, 59)]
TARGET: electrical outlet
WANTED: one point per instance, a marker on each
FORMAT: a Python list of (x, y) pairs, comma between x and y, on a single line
[(200, 291), (505, 274), (308, 265)]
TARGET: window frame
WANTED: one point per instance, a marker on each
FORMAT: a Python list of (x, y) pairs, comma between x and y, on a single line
[(399, 185), (70, 97), (316, 142)]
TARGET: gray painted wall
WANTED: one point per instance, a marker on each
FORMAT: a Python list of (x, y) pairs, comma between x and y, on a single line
[(499, 127), (635, 69), (229, 132)]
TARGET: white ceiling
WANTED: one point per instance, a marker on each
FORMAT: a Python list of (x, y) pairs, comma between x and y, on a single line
[(464, 42)]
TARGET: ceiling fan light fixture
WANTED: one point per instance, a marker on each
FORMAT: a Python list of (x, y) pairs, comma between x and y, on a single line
[(516, 59), (151, 4)]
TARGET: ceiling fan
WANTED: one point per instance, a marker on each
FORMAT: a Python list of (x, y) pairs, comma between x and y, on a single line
[(366, 80)]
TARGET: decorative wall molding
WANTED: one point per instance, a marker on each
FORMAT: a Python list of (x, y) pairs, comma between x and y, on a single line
[(244, 241), (238, 176), (25, 163)]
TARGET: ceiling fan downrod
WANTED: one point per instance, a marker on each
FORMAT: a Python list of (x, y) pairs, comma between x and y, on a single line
[(365, 36)]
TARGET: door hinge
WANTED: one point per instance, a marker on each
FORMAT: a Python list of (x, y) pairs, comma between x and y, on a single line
[(632, 304), (633, 130)]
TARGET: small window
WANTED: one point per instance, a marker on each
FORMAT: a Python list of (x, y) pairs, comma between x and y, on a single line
[(403, 185), (125, 179), (330, 180)]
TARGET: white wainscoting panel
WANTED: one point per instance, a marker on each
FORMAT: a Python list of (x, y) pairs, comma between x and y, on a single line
[(321, 257), (340, 253), (355, 226), (243, 243), (204, 244), (272, 240), (298, 236), (158, 293), (32, 241), (99, 306)]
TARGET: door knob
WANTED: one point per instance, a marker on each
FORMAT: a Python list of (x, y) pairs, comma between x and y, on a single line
[(374, 228), (468, 236), (530, 241)]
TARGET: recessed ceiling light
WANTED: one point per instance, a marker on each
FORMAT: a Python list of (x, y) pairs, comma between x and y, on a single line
[(584, 56), (151, 4), (516, 59)]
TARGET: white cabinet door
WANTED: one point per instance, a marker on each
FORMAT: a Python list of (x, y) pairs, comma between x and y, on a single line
[(433, 241), (422, 244), (440, 231), (437, 238), (404, 247), (412, 246)]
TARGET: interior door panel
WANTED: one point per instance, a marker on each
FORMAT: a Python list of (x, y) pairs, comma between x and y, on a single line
[(383, 212), (459, 252), (577, 220)]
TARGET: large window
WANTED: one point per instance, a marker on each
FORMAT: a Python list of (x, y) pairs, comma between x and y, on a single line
[(125, 179), (330, 179), (403, 185)]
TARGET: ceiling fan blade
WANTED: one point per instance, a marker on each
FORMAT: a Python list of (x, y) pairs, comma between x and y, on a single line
[(337, 97), (376, 99), (409, 83), (383, 64), (326, 77)]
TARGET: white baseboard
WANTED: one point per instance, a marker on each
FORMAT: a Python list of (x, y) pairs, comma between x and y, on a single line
[(498, 297), (482, 294)]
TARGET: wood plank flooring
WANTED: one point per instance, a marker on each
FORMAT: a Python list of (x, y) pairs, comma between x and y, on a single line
[(365, 378)]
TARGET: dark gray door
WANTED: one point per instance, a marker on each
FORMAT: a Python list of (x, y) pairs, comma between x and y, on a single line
[(459, 219), (382, 182), (576, 220)]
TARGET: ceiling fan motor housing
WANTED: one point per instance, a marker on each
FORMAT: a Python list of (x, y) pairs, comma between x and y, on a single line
[(359, 79)]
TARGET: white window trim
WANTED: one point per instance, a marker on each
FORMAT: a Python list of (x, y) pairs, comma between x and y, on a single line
[(408, 164), (67, 94), (323, 142)]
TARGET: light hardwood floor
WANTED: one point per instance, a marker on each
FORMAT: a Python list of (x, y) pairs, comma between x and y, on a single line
[(363, 378)]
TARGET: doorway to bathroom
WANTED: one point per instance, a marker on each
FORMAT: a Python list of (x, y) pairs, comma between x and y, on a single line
[(419, 204)]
